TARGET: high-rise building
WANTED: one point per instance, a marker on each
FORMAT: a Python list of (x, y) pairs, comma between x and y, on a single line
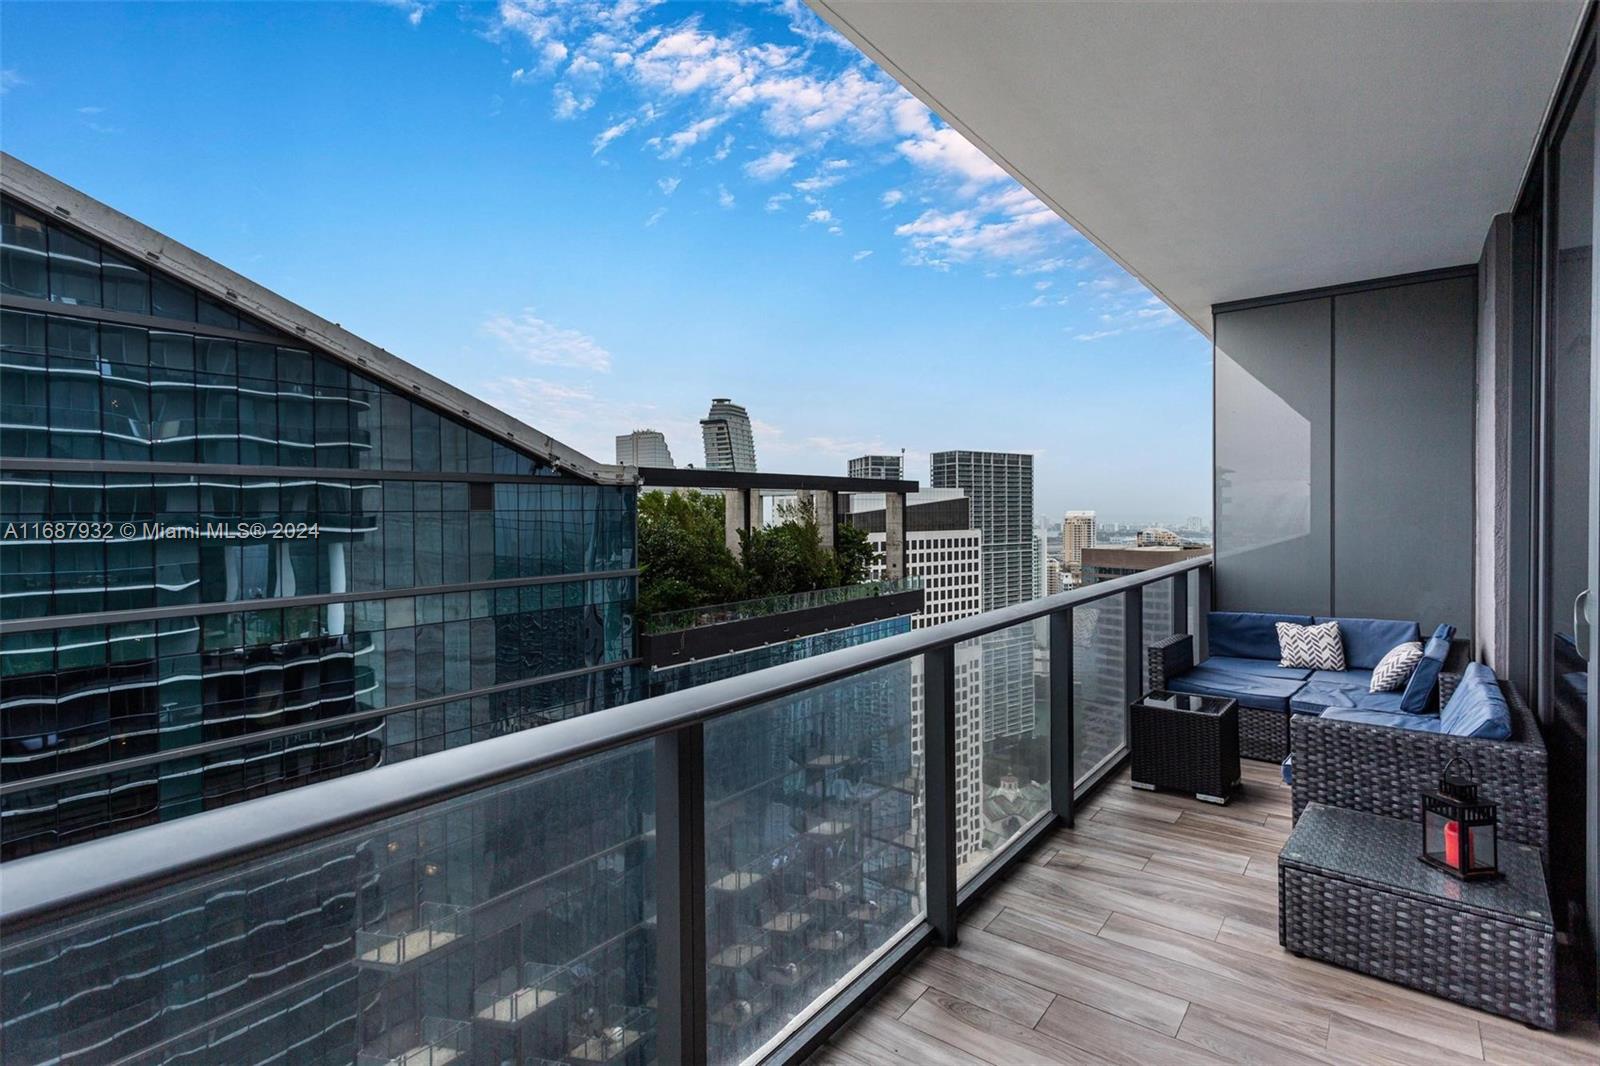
[(1041, 563), (944, 551), (316, 559), (890, 467), (305, 529), (1000, 486), (729, 443), (1157, 537), (1054, 576), (644, 447), (1077, 533)]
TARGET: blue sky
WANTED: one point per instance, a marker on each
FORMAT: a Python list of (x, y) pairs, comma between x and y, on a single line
[(598, 216)]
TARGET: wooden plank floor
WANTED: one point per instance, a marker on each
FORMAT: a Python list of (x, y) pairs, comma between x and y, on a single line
[(1147, 935)]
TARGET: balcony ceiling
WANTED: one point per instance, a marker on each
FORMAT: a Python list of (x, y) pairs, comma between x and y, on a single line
[(1224, 150)]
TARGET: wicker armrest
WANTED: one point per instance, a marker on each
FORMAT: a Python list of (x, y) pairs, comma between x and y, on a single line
[(1385, 770), (1168, 658)]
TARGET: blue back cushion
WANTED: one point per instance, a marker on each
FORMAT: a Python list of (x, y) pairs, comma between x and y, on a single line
[(1414, 700), (1368, 640), (1477, 708), (1246, 634)]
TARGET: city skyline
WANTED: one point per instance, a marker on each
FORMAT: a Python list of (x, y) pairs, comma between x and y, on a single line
[(621, 239)]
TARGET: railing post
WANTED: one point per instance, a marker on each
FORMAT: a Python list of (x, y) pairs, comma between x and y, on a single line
[(1180, 603), (939, 810), (681, 895), (1204, 578), (1132, 651), (1063, 755)]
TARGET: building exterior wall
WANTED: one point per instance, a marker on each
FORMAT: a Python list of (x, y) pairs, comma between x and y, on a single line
[(1000, 486), (644, 447), (1345, 419), (1077, 533), (729, 443), (891, 467), (267, 538)]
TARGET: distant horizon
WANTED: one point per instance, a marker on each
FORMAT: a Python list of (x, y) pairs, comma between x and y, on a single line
[(598, 217)]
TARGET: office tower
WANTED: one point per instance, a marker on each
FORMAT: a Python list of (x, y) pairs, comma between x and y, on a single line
[(1041, 563), (644, 447), (891, 467), (1054, 577), (409, 543), (1077, 533), (728, 440), (944, 551), (319, 560), (1000, 486)]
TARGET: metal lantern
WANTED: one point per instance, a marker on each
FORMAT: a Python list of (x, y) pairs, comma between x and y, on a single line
[(1459, 829)]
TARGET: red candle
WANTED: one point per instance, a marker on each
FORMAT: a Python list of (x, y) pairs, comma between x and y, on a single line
[(1452, 844)]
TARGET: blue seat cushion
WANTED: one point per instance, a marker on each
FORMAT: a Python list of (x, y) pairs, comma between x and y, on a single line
[(1233, 664), (1248, 634), (1419, 723), (1316, 697), (1361, 679), (1288, 769), (1477, 708), (1414, 700), (1262, 693), (1368, 640)]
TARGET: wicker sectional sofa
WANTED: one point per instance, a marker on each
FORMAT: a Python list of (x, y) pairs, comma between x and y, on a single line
[(1243, 665), (1381, 769)]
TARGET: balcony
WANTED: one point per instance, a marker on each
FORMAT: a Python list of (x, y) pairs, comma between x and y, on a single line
[(732, 872)]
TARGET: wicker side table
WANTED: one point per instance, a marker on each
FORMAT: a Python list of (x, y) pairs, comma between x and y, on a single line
[(1185, 742), (1352, 891)]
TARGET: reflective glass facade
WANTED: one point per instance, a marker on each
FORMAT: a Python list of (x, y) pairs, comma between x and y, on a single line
[(222, 551)]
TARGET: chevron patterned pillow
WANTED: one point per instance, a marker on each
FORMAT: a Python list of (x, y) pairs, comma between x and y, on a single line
[(1317, 647), (1394, 669)]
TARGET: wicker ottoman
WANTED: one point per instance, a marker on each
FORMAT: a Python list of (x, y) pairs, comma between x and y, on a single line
[(1185, 742), (1352, 891)]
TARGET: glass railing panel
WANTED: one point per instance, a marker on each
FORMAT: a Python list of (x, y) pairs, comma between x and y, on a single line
[(1099, 702), (1002, 741), (765, 606), (516, 924), (1157, 621), (814, 851)]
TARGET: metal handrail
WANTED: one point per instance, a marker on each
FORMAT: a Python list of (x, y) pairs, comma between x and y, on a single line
[(58, 884)]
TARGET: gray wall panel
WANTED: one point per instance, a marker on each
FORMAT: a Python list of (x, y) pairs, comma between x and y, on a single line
[(1403, 413), (1274, 457)]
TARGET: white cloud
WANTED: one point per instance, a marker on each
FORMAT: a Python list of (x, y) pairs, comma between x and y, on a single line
[(723, 149), (836, 164), (818, 182), (892, 197), (551, 55), (655, 216), (724, 197), (611, 133), (770, 165), (946, 152), (675, 144), (538, 341), (861, 255), (11, 78), (412, 9), (1009, 225), (668, 186), (821, 214), (776, 201)]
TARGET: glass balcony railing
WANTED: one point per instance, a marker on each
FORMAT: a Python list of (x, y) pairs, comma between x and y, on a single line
[(766, 606), (714, 875)]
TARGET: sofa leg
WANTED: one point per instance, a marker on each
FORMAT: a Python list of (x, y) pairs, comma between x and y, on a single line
[(1142, 785)]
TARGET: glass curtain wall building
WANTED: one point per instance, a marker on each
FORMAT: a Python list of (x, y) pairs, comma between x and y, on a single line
[(234, 562)]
